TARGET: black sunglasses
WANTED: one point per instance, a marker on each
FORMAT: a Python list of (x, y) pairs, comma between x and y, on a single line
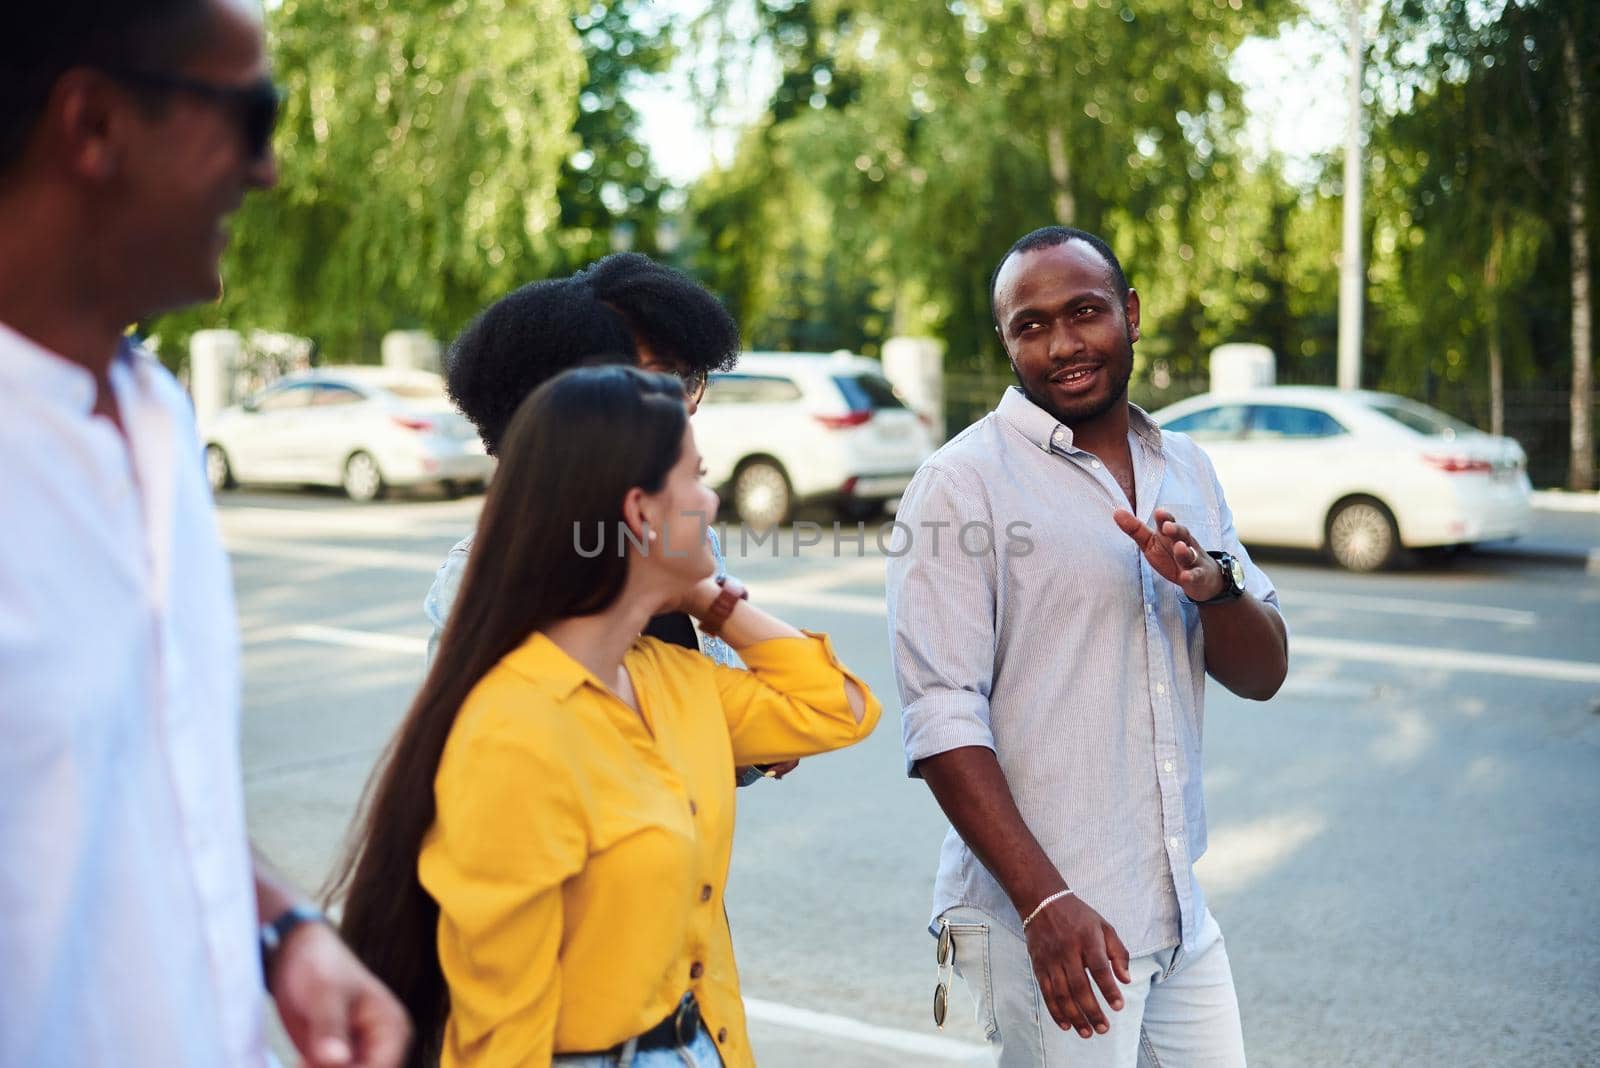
[(254, 107)]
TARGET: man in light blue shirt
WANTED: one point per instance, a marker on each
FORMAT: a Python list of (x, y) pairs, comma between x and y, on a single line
[(1065, 576)]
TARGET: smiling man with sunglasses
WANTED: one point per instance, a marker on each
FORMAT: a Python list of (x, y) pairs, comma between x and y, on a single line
[(135, 926)]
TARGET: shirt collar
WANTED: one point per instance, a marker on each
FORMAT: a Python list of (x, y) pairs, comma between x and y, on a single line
[(33, 370), (1041, 428), (548, 666)]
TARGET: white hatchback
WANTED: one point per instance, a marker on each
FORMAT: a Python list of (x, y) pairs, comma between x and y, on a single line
[(362, 428), (1356, 473), (783, 428)]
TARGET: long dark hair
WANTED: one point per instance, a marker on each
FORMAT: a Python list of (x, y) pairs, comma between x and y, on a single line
[(573, 450)]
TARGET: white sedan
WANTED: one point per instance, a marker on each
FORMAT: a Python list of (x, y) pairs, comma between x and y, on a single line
[(361, 428), (1358, 474)]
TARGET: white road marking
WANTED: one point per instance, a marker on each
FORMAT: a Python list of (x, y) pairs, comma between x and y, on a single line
[(347, 556), (1239, 854), (350, 639), (1421, 656), (1413, 656), (851, 1030), (1404, 607)]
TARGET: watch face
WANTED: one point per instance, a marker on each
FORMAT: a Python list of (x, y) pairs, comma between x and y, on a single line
[(1236, 572)]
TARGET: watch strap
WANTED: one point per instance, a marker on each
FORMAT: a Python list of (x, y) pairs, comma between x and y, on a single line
[(733, 592), (274, 934), (1232, 590)]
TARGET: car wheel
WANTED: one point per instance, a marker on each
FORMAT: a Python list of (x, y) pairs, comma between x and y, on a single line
[(1362, 535), (363, 481), (761, 494), (218, 472)]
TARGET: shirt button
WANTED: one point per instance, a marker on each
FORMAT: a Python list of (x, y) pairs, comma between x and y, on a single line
[(722, 1034), (1161, 689), (1148, 607), (1173, 842), (1165, 767), (1058, 437), (1095, 464), (705, 891), (696, 970), (694, 809)]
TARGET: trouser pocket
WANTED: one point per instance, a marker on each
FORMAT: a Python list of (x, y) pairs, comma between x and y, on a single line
[(969, 945)]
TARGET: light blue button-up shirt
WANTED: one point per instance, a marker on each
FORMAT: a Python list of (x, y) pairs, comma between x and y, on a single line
[(1042, 633)]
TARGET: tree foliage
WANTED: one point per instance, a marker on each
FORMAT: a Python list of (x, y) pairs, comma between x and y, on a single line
[(419, 157)]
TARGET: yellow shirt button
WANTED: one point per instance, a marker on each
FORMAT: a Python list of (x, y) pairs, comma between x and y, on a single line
[(722, 1034), (694, 809), (696, 970), (705, 892)]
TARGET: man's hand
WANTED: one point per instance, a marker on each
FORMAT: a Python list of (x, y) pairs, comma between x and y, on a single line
[(1069, 943), (1173, 552), (336, 1013)]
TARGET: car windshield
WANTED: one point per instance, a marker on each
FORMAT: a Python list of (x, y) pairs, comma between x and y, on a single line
[(1420, 417), (867, 392)]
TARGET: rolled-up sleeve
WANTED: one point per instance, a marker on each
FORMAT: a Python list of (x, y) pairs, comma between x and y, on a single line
[(793, 702), (941, 602)]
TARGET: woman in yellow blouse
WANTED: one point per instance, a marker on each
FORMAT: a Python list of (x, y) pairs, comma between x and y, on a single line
[(557, 894)]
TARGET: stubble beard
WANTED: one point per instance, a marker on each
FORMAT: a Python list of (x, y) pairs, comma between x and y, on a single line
[(1090, 410)]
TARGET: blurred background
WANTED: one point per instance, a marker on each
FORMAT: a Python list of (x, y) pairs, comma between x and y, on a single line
[(844, 172)]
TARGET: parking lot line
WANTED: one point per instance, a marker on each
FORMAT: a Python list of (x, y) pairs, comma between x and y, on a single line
[(852, 1030), (1453, 660), (1404, 607), (1411, 656)]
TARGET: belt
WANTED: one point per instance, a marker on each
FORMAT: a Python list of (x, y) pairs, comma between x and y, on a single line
[(680, 1028)]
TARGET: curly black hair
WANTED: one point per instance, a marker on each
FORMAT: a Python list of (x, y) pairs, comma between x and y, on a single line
[(532, 334)]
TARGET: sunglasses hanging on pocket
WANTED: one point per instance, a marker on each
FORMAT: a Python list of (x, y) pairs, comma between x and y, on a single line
[(945, 954)]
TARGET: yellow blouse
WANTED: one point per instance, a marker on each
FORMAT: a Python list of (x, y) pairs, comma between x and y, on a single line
[(579, 853)]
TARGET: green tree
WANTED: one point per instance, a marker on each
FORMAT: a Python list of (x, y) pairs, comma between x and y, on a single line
[(419, 157), (933, 135), (1483, 208)]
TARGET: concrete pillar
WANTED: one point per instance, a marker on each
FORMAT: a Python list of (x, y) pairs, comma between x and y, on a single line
[(915, 366), (1239, 367), (412, 350), (214, 359)]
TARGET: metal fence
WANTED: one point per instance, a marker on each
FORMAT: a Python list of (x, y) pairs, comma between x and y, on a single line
[(1539, 419)]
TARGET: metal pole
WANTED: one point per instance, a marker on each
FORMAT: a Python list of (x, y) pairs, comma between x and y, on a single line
[(1351, 273)]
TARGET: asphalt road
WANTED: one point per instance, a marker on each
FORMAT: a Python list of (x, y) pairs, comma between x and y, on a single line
[(1404, 849)]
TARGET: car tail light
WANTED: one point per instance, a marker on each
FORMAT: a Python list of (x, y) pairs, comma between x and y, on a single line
[(1458, 465), (848, 489), (846, 421), (409, 423)]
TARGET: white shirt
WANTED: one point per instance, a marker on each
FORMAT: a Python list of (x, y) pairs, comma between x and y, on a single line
[(127, 907)]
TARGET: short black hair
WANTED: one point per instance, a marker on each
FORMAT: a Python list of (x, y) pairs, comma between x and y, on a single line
[(1050, 237), (670, 312), (534, 333), (43, 40)]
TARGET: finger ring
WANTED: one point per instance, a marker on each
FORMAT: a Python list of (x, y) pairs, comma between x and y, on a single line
[(1194, 555)]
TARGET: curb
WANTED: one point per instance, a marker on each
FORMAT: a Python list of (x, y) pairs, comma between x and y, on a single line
[(1566, 501)]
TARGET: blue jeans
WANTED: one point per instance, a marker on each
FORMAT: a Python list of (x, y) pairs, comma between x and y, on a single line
[(1179, 1012), (701, 1053)]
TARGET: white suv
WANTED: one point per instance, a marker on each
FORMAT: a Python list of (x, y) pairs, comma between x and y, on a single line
[(783, 428)]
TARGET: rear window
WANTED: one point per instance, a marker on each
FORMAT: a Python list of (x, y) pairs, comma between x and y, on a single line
[(867, 392), (749, 389), (1420, 417)]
